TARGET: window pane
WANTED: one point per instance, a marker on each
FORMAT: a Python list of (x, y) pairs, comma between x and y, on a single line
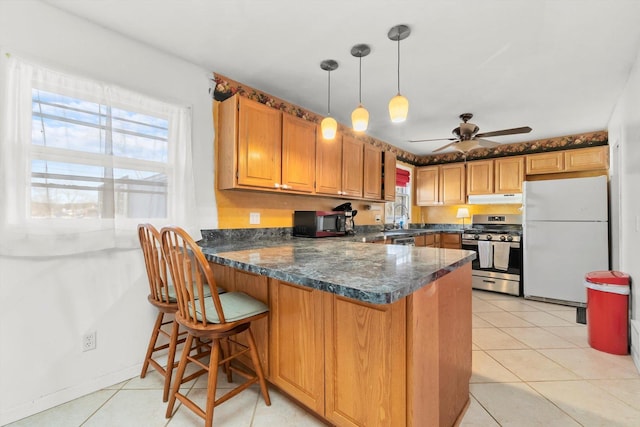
[(139, 136), (68, 190)]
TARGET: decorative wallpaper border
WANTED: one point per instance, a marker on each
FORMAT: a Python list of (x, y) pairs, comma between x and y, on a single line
[(224, 87)]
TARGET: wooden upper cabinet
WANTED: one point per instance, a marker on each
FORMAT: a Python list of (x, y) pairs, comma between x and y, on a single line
[(352, 166), (509, 174), (372, 181), (329, 165), (580, 159), (452, 184), (440, 185), (586, 159), (480, 177), (499, 176), (427, 186), (298, 154), (545, 163), (389, 176), (259, 145)]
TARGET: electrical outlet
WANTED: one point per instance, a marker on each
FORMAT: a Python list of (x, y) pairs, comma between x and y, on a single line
[(89, 341), (254, 218)]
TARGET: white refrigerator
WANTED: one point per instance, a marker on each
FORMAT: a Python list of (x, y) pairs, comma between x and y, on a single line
[(566, 235)]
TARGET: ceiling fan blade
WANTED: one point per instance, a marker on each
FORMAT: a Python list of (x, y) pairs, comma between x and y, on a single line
[(524, 129), (436, 139), (485, 143), (444, 146)]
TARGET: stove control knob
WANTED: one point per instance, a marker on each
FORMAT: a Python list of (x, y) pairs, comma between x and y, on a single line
[(510, 238), (503, 238), (476, 236), (489, 237)]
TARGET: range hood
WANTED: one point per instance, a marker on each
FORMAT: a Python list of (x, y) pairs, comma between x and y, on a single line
[(496, 199)]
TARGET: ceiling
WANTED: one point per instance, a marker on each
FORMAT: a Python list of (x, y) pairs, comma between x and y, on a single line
[(557, 66)]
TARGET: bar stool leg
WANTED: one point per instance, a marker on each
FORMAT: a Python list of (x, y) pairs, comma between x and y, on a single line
[(173, 343), (152, 343), (178, 379), (258, 367), (212, 382)]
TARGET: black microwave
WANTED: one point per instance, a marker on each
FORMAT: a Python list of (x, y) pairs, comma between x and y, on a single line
[(319, 223)]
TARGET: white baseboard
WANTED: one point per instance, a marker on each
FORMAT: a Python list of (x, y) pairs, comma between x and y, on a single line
[(635, 342), (66, 395)]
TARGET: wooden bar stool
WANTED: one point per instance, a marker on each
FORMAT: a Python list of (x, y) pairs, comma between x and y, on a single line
[(162, 296), (219, 318)]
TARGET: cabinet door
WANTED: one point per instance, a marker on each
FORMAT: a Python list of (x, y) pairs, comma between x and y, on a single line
[(545, 163), (389, 173), (509, 175), (298, 154), (365, 362), (259, 145), (329, 165), (352, 166), (586, 159), (450, 240), (297, 343), (372, 184), (452, 184), (427, 188), (480, 177), (420, 240)]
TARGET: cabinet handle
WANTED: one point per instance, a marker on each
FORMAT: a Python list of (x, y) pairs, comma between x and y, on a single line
[(285, 186), (276, 185)]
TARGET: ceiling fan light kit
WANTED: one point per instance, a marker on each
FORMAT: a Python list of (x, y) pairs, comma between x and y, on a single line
[(360, 116), (399, 105), (468, 137), (329, 126)]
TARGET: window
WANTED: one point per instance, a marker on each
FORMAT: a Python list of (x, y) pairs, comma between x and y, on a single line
[(399, 212), (77, 146), (83, 162)]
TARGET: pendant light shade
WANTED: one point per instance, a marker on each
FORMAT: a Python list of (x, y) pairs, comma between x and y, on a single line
[(399, 105), (360, 116), (329, 126), (398, 108)]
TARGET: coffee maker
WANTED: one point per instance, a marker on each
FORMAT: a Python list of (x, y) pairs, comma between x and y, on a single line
[(349, 214)]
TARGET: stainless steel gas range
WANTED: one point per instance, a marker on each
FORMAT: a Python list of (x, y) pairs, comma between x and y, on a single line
[(497, 240)]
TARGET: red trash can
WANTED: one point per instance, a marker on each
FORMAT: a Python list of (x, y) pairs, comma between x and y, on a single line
[(608, 311)]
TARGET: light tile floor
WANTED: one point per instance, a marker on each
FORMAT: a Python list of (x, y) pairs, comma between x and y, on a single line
[(532, 366)]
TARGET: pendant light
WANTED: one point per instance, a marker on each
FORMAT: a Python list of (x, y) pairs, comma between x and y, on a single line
[(399, 105), (360, 116), (329, 126)]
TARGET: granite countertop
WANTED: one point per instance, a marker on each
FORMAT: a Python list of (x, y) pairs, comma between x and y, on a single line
[(378, 274)]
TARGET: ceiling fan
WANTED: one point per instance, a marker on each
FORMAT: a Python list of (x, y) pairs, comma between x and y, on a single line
[(468, 138)]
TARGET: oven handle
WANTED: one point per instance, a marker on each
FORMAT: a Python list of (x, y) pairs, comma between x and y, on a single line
[(515, 245)]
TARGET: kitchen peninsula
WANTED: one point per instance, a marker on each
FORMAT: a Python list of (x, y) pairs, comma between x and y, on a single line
[(360, 334)]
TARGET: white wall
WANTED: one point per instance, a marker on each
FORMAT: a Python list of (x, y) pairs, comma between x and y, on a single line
[(624, 136), (46, 305)]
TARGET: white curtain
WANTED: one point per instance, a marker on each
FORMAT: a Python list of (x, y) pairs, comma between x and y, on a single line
[(22, 234)]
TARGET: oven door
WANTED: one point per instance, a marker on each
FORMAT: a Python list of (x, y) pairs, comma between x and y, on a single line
[(493, 279)]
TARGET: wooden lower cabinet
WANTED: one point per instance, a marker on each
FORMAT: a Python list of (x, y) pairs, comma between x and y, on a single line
[(297, 343), (365, 365), (451, 240), (356, 364)]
